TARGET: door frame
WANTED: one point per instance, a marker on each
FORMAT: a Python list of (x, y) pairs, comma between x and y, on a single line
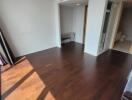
[(85, 23), (116, 24)]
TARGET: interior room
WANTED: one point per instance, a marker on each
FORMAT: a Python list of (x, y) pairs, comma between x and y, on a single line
[(123, 40), (63, 50), (73, 21)]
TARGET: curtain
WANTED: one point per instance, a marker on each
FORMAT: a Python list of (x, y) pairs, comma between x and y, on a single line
[(2, 60), (8, 53)]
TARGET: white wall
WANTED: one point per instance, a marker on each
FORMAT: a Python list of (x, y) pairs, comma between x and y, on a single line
[(66, 16), (96, 14), (57, 23), (78, 20), (29, 25), (72, 20)]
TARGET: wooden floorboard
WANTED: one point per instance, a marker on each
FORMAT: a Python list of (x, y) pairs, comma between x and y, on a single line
[(67, 74)]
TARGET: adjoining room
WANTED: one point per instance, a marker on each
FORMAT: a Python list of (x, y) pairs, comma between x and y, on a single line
[(123, 40), (73, 18)]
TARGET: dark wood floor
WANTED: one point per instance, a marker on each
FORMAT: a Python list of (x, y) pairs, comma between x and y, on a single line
[(68, 74)]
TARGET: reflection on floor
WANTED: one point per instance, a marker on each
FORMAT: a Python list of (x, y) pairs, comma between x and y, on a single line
[(125, 46), (67, 74)]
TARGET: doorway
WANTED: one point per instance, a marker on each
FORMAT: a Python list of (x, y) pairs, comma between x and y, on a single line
[(73, 18), (123, 38)]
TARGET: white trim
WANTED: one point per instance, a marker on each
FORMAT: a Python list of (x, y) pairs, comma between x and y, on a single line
[(57, 24)]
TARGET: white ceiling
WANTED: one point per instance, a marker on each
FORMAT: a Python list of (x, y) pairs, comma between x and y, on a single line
[(73, 2)]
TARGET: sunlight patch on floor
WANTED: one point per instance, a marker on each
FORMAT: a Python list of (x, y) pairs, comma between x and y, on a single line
[(21, 82), (15, 74), (33, 86), (49, 96)]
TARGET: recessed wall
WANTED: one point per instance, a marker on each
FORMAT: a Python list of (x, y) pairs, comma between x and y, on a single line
[(72, 20)]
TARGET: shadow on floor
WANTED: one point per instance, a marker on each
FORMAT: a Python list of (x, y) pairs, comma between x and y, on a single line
[(69, 74)]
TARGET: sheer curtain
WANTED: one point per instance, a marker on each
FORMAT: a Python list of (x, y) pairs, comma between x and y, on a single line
[(8, 54), (2, 60)]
